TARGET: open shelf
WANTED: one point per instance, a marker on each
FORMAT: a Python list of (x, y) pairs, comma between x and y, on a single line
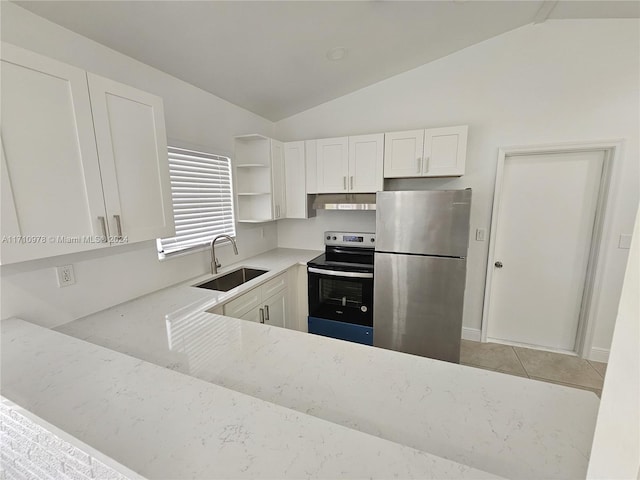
[(254, 208)]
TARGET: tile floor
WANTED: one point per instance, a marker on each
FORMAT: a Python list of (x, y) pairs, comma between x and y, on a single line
[(525, 362)]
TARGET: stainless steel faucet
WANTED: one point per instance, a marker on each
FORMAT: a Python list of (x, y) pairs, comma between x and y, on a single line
[(215, 264)]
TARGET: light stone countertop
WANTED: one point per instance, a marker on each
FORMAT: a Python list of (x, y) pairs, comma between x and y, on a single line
[(166, 425), (509, 426)]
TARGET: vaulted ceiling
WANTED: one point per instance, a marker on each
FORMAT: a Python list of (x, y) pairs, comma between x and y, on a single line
[(274, 57)]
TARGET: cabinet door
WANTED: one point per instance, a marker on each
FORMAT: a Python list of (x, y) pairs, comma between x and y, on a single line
[(403, 154), (278, 179), (52, 193), (132, 149), (366, 163), (295, 180), (275, 309), (333, 164), (311, 154), (445, 151), (255, 315)]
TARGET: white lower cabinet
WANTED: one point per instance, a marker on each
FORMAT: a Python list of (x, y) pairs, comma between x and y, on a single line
[(266, 304), (255, 315), (275, 309)]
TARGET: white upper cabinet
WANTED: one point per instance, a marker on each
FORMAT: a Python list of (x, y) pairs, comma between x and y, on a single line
[(52, 192), (333, 164), (311, 160), (260, 179), (61, 191), (278, 180), (366, 163), (296, 179), (132, 149), (435, 152), (445, 151), (350, 164), (403, 154)]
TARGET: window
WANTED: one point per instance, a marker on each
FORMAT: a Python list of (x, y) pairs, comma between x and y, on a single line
[(202, 200)]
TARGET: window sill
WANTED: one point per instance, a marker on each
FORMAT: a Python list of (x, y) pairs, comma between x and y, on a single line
[(191, 250)]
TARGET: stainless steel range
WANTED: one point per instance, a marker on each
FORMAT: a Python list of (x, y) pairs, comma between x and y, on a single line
[(341, 287)]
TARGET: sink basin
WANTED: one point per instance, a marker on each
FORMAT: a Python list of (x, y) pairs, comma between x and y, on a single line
[(232, 279)]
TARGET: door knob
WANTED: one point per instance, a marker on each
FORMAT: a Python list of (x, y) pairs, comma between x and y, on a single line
[(498, 264)]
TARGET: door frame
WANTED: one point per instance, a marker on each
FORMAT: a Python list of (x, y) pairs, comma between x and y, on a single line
[(586, 320)]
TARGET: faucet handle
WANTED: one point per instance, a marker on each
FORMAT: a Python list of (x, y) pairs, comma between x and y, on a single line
[(218, 264)]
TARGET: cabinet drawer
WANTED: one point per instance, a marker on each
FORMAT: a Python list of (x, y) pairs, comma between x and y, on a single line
[(274, 285), (241, 305)]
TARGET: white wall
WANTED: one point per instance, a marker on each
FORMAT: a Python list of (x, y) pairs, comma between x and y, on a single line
[(556, 82), (616, 443), (118, 274)]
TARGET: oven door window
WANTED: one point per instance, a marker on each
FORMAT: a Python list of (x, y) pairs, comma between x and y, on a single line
[(339, 298)]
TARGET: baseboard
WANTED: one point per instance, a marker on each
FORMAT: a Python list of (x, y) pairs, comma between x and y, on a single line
[(471, 334), (599, 355)]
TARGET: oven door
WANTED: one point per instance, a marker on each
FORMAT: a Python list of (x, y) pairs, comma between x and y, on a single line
[(343, 296)]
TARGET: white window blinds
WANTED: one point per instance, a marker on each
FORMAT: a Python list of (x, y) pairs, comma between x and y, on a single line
[(202, 199)]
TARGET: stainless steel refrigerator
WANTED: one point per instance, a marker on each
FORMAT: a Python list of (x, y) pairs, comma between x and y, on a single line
[(422, 239)]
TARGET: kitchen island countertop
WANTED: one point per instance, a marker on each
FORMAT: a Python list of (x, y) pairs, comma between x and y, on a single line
[(509, 426), (165, 425)]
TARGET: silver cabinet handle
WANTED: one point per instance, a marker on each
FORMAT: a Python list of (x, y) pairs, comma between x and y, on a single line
[(266, 312), (261, 315), (426, 164), (419, 161), (351, 182), (104, 227), (118, 225), (344, 183)]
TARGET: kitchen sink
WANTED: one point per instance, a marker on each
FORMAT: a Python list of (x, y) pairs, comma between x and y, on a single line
[(232, 279)]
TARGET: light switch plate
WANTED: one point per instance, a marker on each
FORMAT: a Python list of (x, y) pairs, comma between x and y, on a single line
[(65, 276), (625, 241), (481, 234)]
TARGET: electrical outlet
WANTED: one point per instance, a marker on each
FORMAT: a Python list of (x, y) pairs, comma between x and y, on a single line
[(481, 234), (65, 275)]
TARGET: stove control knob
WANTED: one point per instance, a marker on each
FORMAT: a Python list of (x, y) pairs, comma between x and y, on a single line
[(333, 238), (373, 240), (328, 237)]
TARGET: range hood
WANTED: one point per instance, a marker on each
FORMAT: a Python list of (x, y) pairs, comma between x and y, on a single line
[(345, 201)]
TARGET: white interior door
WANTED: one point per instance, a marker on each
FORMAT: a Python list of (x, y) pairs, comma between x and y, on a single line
[(542, 242)]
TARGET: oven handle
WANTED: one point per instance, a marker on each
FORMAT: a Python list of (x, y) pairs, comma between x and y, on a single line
[(338, 273)]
